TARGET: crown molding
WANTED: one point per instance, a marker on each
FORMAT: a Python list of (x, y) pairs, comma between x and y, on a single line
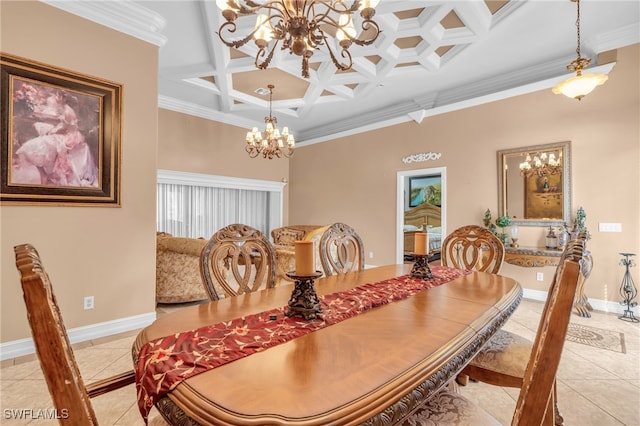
[(177, 105), (124, 16), (621, 37)]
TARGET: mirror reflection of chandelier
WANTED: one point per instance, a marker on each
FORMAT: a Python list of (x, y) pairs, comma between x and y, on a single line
[(301, 26), (272, 142), (541, 164)]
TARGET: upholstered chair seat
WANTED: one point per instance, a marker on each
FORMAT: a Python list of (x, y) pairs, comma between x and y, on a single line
[(506, 354), (449, 408)]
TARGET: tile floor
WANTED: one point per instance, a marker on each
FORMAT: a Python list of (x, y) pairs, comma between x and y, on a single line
[(597, 387)]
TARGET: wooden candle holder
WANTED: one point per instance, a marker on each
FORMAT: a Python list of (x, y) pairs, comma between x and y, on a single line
[(421, 267), (304, 301)]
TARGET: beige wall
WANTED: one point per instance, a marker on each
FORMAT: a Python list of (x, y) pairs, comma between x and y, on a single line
[(353, 179), (108, 253), (198, 145), (192, 144)]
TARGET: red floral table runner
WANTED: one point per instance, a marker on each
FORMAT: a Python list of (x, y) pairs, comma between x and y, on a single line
[(163, 363)]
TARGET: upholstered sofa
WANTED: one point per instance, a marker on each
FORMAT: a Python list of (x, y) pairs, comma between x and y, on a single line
[(286, 235), (283, 241), (178, 269)]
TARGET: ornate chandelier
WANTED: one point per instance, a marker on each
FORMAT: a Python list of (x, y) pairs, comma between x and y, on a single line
[(272, 143), (301, 26), (542, 164), (581, 84)]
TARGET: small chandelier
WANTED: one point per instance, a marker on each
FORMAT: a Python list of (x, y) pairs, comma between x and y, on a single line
[(581, 84), (301, 25), (272, 143), (542, 164)]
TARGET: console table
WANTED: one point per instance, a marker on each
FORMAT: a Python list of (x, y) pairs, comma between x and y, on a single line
[(531, 257)]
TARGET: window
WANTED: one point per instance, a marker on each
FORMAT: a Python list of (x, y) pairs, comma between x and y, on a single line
[(197, 205)]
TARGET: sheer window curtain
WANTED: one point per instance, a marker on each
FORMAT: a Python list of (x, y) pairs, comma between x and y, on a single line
[(197, 206)]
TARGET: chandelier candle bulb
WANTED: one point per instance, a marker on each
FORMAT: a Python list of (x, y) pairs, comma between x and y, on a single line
[(304, 258), (420, 244)]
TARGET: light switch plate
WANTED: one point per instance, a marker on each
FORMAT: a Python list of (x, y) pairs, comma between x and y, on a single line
[(610, 227)]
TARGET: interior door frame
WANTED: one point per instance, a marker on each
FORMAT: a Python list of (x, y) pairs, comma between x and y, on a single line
[(402, 200)]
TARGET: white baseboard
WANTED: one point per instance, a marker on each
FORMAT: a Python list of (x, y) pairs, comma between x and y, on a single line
[(596, 304), (22, 347)]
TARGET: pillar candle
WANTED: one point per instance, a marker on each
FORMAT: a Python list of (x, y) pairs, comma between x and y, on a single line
[(420, 243), (304, 258)]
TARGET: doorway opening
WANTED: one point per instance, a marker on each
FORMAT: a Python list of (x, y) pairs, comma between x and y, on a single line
[(420, 206)]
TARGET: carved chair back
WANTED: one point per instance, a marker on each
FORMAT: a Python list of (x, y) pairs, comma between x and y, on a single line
[(70, 396), (341, 250), (536, 399), (473, 247), (238, 258)]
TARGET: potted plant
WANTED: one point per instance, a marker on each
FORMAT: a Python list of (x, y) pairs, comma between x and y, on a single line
[(502, 222)]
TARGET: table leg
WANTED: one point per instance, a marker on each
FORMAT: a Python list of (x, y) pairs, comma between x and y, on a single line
[(581, 303)]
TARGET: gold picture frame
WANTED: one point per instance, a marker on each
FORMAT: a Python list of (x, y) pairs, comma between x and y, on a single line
[(61, 136)]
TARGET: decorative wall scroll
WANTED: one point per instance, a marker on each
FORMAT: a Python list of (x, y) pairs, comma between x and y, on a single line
[(417, 158), (60, 139)]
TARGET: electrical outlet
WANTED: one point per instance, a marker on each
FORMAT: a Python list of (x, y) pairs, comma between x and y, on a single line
[(370, 255), (88, 302), (539, 276)]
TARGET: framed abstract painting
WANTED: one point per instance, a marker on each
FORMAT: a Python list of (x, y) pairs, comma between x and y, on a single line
[(61, 136)]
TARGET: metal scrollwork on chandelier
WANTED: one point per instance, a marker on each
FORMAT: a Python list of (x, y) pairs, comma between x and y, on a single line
[(541, 164), (272, 143), (301, 26)]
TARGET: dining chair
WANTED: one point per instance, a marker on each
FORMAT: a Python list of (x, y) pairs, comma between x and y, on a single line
[(237, 259), (502, 361), (473, 247), (536, 400), (71, 397), (341, 250)]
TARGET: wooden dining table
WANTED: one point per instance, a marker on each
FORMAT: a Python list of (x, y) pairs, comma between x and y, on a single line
[(373, 368)]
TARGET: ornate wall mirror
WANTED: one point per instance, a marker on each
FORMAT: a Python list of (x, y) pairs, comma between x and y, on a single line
[(534, 184)]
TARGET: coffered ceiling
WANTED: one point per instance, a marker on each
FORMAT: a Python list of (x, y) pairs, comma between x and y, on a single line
[(431, 57)]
